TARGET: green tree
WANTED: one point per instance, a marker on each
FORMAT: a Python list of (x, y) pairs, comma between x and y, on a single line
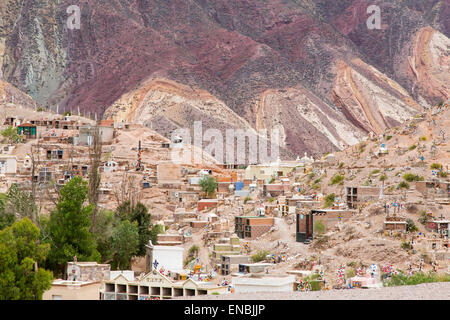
[(125, 241), (156, 229), (69, 227), (103, 232), (11, 135), (142, 217), (208, 185), (20, 255)]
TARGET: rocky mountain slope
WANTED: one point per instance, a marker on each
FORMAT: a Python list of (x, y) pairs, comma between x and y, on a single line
[(310, 68)]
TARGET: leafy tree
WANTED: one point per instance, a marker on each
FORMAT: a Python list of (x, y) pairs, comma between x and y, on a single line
[(208, 185), (156, 229), (11, 135), (142, 217), (125, 241), (69, 227), (103, 232), (20, 254)]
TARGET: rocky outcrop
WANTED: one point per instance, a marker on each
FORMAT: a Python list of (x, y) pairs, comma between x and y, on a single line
[(238, 56)]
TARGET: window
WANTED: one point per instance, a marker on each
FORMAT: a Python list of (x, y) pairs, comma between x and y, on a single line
[(56, 297)]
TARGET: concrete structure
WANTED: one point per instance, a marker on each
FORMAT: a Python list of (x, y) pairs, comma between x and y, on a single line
[(230, 263), (110, 166), (167, 257), (226, 246), (252, 227), (86, 134), (169, 239), (354, 195), (440, 226), (395, 223), (263, 284), (8, 164), (128, 274), (269, 171), (253, 267), (87, 271), (305, 221), (73, 290), (154, 285)]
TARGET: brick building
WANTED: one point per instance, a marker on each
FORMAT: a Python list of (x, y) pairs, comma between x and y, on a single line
[(252, 227)]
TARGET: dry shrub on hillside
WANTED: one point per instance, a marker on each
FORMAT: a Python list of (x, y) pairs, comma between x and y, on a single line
[(374, 211), (412, 208)]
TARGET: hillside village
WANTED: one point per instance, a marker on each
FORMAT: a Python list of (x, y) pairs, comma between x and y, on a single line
[(349, 219)]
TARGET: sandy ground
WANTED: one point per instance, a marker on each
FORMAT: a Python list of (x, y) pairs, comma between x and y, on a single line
[(424, 291)]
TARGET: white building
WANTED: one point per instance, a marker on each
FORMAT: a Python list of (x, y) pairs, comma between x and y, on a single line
[(8, 164), (263, 284), (168, 257)]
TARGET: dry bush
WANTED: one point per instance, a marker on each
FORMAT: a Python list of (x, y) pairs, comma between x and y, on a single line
[(412, 208)]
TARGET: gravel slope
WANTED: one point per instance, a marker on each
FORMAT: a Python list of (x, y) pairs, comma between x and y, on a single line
[(424, 291)]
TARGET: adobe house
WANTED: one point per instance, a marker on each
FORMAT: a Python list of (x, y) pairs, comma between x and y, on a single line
[(206, 204), (329, 217), (275, 190), (170, 239), (252, 227), (86, 135), (355, 195), (436, 188), (28, 130), (183, 196)]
